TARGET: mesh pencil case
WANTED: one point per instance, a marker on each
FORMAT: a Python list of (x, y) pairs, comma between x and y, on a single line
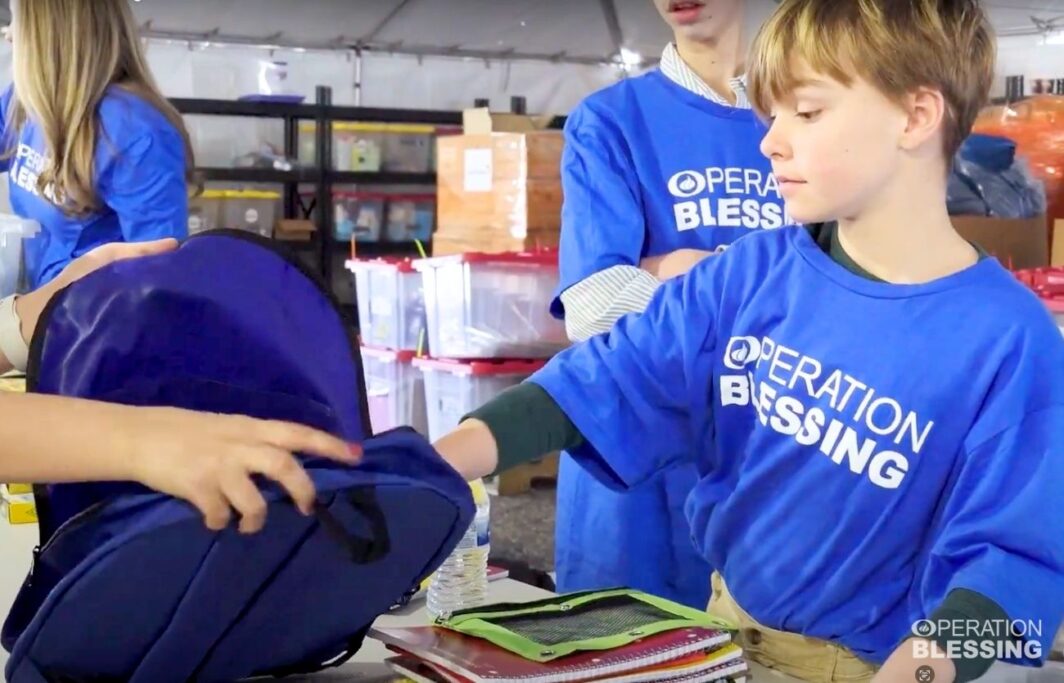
[(546, 630)]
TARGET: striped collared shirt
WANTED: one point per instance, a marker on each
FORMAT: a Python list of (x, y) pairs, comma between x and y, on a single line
[(593, 305), (676, 70)]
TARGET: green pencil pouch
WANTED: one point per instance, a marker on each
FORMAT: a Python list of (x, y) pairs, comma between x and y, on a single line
[(546, 630)]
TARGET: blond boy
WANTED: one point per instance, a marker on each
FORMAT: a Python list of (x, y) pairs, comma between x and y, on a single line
[(876, 408)]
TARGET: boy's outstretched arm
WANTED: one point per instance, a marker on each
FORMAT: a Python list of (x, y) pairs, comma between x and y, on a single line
[(609, 401), (521, 424)]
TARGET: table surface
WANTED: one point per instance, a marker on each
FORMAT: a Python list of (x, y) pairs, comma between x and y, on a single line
[(367, 666)]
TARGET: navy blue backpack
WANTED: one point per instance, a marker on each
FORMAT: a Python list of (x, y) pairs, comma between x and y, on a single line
[(129, 585)]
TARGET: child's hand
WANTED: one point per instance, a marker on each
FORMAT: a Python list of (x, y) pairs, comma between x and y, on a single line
[(209, 460)]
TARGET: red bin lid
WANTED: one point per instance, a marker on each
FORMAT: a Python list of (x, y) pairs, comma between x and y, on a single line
[(481, 368)]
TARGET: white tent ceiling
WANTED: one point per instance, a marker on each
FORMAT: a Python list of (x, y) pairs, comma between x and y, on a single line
[(570, 30), (577, 30), (1022, 17)]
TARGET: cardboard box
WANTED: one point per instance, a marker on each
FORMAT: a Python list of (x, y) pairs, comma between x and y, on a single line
[(491, 242), (483, 120), (514, 209), (475, 162), (1018, 243), (498, 191), (495, 190), (290, 230)]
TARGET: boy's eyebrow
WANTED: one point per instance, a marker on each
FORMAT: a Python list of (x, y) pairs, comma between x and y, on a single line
[(811, 82)]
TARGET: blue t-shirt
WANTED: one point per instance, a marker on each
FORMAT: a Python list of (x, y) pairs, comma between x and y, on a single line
[(864, 448), (139, 179), (649, 168)]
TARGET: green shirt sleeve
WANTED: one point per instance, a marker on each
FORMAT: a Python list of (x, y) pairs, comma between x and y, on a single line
[(527, 424), (968, 607)]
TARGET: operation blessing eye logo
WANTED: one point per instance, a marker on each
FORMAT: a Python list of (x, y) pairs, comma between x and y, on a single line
[(687, 184), (742, 351)]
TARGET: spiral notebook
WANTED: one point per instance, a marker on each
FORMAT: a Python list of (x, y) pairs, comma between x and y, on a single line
[(470, 660), (418, 671)]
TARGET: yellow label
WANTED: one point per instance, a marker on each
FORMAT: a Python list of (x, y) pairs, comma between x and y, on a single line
[(411, 128), (251, 194), (239, 194), (18, 489), (360, 127), (350, 127)]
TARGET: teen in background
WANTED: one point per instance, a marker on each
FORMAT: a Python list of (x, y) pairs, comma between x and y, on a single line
[(658, 172), (93, 151)]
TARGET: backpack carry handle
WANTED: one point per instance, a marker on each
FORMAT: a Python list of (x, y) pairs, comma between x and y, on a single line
[(360, 550)]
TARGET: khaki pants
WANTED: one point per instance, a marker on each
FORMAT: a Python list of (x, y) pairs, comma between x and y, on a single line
[(810, 659)]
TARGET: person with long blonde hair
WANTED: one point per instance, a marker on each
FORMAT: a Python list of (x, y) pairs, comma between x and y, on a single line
[(93, 151), (102, 161)]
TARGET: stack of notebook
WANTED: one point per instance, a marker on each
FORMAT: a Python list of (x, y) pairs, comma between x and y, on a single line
[(688, 655)]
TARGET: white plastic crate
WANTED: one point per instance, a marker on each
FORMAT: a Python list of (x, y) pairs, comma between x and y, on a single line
[(396, 390), (456, 388), (14, 231), (492, 305), (391, 308)]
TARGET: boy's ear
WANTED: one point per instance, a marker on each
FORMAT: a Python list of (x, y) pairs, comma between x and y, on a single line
[(926, 109)]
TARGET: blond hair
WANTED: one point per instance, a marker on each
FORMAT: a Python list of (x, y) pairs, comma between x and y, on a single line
[(67, 53), (895, 45)]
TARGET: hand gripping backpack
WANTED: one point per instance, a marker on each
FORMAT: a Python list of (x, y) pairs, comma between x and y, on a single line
[(129, 585)]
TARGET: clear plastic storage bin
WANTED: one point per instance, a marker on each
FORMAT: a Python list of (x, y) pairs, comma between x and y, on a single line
[(391, 308), (356, 146), (456, 388), (206, 211), (359, 215), (1048, 284), (411, 217), (408, 148), (13, 232), (251, 210), (492, 305), (396, 390)]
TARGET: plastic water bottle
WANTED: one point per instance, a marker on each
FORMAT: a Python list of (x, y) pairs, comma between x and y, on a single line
[(462, 581)]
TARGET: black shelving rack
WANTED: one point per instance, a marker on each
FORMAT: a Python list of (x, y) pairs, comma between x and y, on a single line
[(322, 175)]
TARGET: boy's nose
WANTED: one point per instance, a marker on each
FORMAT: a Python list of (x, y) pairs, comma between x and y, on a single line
[(773, 145)]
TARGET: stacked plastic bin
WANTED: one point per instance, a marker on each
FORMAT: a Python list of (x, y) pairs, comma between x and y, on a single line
[(489, 328), (1048, 284), (391, 313), (16, 500), (14, 231), (250, 210)]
